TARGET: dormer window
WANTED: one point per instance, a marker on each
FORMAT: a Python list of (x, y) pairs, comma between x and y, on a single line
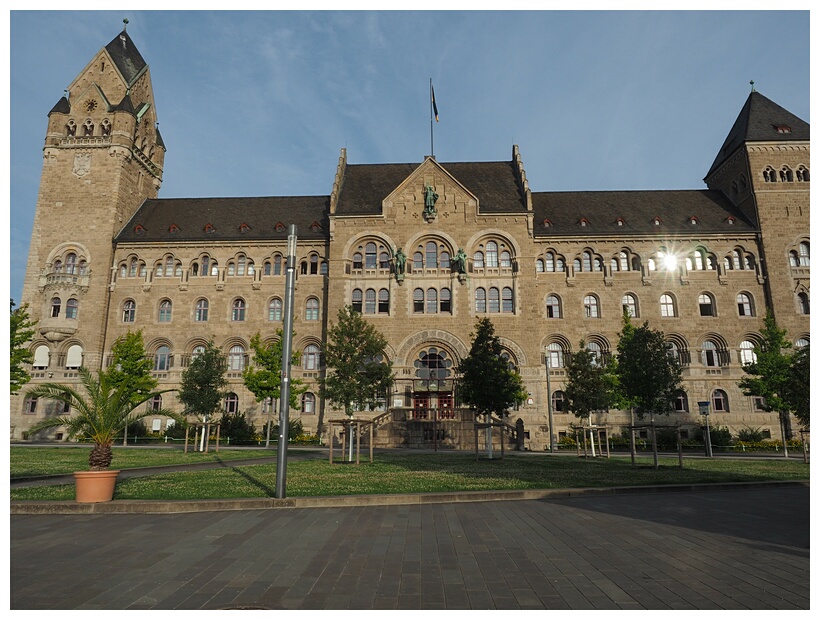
[(280, 227), (315, 227), (546, 224), (620, 221), (694, 221), (584, 222), (139, 230), (243, 228), (656, 221), (173, 229), (209, 228), (730, 220), (783, 128)]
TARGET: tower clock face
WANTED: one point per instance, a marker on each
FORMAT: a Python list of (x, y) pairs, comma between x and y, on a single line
[(90, 105)]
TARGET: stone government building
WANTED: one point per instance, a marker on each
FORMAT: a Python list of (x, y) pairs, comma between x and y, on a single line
[(549, 268)]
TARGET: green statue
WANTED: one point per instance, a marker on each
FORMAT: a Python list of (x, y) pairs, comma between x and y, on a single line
[(401, 259), (459, 261), (430, 197)]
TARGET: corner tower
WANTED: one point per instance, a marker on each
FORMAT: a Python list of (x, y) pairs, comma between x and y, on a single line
[(763, 167), (103, 156)]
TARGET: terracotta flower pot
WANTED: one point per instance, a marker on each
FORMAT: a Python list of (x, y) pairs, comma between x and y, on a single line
[(95, 486)]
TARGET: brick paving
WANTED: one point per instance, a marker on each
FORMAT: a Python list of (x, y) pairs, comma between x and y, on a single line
[(726, 549)]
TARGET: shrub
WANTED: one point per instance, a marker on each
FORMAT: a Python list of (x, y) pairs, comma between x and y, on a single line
[(750, 435), (236, 428), (294, 430), (719, 435), (176, 431)]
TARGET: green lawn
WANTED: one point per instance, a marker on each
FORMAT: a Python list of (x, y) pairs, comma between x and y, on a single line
[(43, 461), (412, 473)]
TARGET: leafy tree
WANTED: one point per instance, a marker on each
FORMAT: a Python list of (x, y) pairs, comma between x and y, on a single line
[(648, 377), (487, 383), (130, 366), (769, 376), (798, 390), (358, 375), (203, 383), (21, 333), (100, 414), (589, 383), (264, 377)]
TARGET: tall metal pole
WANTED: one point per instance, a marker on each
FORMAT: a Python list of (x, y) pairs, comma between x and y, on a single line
[(549, 405), (432, 152), (287, 346)]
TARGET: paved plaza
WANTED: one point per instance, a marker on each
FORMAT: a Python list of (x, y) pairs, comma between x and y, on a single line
[(721, 549)]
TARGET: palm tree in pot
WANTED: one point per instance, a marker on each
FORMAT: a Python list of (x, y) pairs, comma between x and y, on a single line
[(100, 414)]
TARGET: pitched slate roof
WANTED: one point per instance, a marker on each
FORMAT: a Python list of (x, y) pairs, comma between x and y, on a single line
[(365, 186), (637, 210), (62, 106), (759, 121), (153, 220), (126, 56)]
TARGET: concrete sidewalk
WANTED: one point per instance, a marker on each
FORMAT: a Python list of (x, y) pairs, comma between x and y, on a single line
[(699, 549)]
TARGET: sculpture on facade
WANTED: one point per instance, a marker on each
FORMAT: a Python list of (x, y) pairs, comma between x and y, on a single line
[(399, 260), (430, 197)]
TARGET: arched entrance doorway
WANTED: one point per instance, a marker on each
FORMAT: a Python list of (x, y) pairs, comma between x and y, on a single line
[(433, 385)]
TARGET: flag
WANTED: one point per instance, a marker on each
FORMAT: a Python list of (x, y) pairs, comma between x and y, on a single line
[(433, 97)]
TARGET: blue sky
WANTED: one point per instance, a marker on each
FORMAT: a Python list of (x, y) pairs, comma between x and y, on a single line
[(260, 103)]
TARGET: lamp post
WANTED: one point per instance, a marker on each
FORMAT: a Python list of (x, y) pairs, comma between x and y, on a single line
[(287, 346), (549, 404), (703, 407)]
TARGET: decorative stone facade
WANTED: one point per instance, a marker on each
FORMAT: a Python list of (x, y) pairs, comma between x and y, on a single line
[(549, 268)]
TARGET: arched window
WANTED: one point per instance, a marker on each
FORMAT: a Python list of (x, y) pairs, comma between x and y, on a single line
[(802, 174), (804, 256), (418, 301), (206, 263), (72, 306), (553, 307), (559, 401), (706, 304), (720, 402), (275, 309), (238, 310), (668, 305), (169, 266), (266, 269), (162, 359), (41, 357), (370, 301), (236, 358), (74, 357), (539, 265), (314, 264), (155, 404), (504, 259), (445, 302), (549, 262), (587, 261), (745, 307), (801, 342), (478, 260), (124, 269), (681, 402), (802, 303), (769, 175), (493, 298), (201, 312), (597, 353), (506, 299), (444, 260), (129, 311), (370, 255), (432, 301), (231, 269), (384, 261), (358, 262), (312, 309), (277, 265), (310, 357), (630, 304), (480, 300), (786, 174), (165, 311), (709, 354), (492, 254), (430, 255), (30, 405), (308, 403), (747, 353), (418, 261), (384, 301), (198, 350), (240, 266), (357, 299), (591, 309), (555, 355), (231, 403), (56, 304)]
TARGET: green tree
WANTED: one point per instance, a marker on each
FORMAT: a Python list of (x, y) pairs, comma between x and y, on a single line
[(264, 376), (798, 390), (358, 374), (203, 383), (21, 333), (648, 376), (589, 383), (488, 384), (130, 366), (235, 427), (100, 414), (769, 376)]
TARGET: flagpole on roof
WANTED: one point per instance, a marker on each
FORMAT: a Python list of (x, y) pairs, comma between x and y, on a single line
[(433, 112)]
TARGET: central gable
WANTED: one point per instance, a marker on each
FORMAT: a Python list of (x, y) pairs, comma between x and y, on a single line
[(430, 193)]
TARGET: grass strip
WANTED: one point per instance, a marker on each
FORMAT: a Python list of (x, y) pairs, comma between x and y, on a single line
[(424, 473)]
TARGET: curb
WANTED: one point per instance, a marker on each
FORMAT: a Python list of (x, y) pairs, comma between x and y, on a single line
[(30, 507)]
